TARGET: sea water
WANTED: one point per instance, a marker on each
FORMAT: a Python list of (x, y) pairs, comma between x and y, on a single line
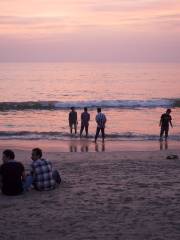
[(36, 98)]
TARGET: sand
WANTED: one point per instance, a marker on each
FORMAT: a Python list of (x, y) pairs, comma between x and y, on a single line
[(128, 195)]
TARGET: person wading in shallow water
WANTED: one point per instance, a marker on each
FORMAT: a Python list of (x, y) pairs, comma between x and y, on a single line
[(73, 120), (101, 121), (165, 120), (85, 118)]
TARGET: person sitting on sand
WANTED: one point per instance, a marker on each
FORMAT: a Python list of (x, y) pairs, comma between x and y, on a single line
[(12, 174), (101, 121), (165, 120), (73, 120), (85, 118), (43, 175)]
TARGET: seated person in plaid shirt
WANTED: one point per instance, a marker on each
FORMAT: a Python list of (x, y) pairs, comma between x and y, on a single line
[(44, 177)]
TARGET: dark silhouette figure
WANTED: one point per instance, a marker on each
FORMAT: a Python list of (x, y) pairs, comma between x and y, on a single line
[(165, 120), (73, 120), (85, 118), (12, 174)]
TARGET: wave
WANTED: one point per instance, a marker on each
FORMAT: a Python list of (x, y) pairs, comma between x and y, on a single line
[(130, 136), (57, 105)]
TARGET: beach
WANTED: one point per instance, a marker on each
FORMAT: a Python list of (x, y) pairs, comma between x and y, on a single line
[(128, 195), (123, 189), (110, 67)]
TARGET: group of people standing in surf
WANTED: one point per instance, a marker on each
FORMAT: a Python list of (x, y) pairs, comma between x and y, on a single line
[(165, 121), (85, 118)]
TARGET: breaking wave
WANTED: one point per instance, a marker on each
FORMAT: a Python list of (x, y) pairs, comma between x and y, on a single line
[(25, 135), (57, 105)]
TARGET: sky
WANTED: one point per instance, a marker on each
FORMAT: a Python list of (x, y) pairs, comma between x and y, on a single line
[(90, 30)]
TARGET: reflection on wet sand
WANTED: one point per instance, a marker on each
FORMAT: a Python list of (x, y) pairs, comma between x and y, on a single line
[(101, 148), (73, 146), (86, 146), (163, 145)]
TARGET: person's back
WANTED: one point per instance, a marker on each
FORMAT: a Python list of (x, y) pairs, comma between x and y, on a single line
[(73, 120), (85, 117), (12, 173), (101, 120), (72, 117), (44, 177)]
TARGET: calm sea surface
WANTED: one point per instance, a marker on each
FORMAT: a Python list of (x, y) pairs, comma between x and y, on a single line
[(35, 98)]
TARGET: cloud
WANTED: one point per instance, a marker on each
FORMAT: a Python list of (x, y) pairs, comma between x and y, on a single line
[(87, 29), (27, 20)]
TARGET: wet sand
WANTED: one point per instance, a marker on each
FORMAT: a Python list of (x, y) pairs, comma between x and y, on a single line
[(128, 195), (87, 145)]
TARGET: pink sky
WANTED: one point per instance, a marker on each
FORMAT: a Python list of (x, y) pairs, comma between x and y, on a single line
[(90, 30)]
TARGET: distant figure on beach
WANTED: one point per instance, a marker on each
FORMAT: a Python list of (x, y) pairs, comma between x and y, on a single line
[(12, 174), (43, 175), (85, 118), (73, 120), (165, 120), (101, 121)]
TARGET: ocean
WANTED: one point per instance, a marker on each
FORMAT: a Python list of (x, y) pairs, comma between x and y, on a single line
[(36, 98)]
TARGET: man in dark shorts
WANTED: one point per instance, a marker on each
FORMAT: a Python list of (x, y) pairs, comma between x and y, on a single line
[(73, 120), (165, 120), (12, 174), (85, 117)]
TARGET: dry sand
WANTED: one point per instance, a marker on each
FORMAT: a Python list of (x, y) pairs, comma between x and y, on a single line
[(105, 196)]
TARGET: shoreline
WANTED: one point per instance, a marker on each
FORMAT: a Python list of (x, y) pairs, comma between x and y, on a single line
[(84, 145)]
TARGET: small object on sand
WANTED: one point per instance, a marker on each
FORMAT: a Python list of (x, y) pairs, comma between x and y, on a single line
[(172, 156)]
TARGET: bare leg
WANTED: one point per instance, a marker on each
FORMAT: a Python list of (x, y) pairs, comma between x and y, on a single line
[(103, 135), (81, 131), (166, 132), (161, 133), (86, 129), (97, 133)]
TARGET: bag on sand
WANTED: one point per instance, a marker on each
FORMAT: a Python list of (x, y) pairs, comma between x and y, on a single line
[(172, 156)]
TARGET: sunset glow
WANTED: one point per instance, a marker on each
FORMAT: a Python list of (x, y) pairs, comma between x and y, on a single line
[(64, 30)]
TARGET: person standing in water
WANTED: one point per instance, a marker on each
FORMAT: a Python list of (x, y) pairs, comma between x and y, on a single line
[(73, 120), (85, 118), (165, 120), (101, 121)]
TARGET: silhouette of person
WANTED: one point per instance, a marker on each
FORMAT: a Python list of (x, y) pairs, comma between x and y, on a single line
[(85, 118), (101, 121), (73, 120), (165, 120)]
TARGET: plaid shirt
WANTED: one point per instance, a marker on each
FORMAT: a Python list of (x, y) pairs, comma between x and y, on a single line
[(101, 120), (41, 170)]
